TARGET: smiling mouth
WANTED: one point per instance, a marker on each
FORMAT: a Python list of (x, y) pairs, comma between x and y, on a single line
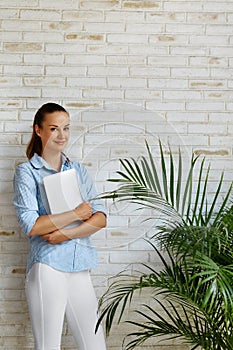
[(60, 142)]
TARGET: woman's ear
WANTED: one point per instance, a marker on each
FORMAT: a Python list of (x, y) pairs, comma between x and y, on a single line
[(37, 130)]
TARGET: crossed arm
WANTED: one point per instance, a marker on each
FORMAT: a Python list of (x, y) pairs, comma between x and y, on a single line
[(52, 227)]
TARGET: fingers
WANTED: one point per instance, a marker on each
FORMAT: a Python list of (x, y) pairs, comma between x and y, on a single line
[(45, 236), (55, 237), (84, 211)]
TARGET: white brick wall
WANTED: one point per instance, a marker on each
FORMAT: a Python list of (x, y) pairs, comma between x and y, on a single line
[(126, 71)]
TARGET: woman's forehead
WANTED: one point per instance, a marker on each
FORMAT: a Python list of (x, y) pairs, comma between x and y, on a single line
[(57, 118)]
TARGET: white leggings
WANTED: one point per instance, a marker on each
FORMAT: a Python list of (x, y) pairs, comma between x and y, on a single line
[(51, 294)]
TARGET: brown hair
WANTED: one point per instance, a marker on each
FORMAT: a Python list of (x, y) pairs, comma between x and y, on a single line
[(35, 145)]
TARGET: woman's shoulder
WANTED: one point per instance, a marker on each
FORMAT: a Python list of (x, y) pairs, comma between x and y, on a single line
[(23, 165), (36, 162), (77, 165), (23, 168), (80, 168)]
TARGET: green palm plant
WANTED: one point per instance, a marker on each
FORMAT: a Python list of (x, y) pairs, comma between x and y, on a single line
[(195, 287)]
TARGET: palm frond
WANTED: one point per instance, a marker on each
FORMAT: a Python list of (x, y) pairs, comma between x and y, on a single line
[(119, 295), (190, 283), (141, 182), (218, 279), (196, 234), (176, 322)]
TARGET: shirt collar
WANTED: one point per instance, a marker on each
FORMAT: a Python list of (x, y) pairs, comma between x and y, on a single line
[(38, 162)]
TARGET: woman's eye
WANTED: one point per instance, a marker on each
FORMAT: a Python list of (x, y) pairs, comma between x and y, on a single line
[(53, 129), (66, 128)]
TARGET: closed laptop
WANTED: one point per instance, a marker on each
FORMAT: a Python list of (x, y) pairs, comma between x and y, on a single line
[(62, 190)]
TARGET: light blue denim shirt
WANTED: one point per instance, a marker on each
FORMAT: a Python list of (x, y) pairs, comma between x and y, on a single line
[(30, 202)]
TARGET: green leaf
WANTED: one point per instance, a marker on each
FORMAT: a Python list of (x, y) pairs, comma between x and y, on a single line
[(154, 171), (179, 182), (164, 172)]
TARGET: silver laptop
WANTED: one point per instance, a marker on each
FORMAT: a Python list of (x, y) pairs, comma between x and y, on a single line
[(63, 193)]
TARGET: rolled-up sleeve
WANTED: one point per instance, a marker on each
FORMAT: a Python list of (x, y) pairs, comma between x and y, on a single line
[(25, 198), (97, 204)]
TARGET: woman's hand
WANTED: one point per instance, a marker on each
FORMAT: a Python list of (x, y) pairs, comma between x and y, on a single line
[(83, 211), (55, 237)]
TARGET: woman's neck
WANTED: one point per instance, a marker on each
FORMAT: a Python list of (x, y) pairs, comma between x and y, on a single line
[(53, 159)]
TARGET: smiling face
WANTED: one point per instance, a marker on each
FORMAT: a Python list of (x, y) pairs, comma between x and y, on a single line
[(55, 132)]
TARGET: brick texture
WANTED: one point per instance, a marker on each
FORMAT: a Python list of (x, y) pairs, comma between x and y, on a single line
[(126, 71)]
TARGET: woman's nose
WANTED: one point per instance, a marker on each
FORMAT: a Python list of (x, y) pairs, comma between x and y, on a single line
[(60, 134)]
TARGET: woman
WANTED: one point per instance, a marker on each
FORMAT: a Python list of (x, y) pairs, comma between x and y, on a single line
[(58, 281)]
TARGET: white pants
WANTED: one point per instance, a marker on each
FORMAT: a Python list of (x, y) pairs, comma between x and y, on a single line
[(51, 294)]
